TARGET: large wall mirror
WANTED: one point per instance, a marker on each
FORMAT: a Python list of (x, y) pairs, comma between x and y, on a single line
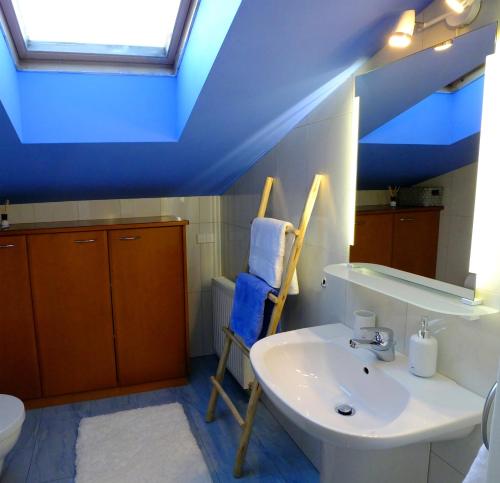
[(419, 132)]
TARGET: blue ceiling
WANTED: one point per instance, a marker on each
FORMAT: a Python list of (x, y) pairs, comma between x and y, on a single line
[(381, 165), (252, 70), (440, 119)]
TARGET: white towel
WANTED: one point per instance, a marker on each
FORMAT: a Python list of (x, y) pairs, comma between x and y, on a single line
[(479, 467), (270, 249)]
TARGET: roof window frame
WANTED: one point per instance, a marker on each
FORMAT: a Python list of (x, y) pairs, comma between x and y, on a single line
[(62, 56)]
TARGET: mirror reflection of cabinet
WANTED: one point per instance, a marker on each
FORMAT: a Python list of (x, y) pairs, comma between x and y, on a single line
[(402, 238)]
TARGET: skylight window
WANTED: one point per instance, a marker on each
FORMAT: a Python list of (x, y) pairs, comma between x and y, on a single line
[(138, 31)]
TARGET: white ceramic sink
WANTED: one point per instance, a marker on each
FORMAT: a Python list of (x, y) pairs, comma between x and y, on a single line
[(308, 372)]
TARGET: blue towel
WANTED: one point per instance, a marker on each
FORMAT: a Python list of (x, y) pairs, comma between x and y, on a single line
[(251, 308)]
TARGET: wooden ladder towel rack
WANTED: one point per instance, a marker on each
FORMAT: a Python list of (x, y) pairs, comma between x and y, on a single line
[(246, 424)]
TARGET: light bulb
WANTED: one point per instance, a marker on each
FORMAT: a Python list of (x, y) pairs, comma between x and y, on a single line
[(444, 45), (458, 6), (402, 34), (399, 40)]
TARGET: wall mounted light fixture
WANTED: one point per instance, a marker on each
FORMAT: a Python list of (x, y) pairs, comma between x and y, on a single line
[(444, 45), (462, 12), (402, 34)]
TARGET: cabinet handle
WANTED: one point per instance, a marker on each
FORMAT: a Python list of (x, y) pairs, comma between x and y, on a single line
[(90, 240), (9, 245), (129, 238), (407, 219)]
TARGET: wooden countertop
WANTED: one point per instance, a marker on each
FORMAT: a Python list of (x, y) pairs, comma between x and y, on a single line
[(376, 209), (92, 225)]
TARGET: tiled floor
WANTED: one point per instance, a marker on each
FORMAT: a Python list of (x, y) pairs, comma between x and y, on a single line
[(46, 450)]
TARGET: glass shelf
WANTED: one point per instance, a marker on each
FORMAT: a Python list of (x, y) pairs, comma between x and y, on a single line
[(416, 294)]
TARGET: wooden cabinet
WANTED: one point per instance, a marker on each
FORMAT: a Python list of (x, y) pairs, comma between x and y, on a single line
[(147, 274), (415, 242), (72, 300), (402, 238), (92, 309), (18, 357), (373, 239)]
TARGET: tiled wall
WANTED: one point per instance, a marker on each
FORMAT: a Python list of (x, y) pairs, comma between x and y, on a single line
[(455, 227), (468, 351), (372, 197), (320, 144), (203, 257)]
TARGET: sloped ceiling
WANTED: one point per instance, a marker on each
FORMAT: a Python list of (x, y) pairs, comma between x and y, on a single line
[(275, 63), (431, 132), (381, 165)]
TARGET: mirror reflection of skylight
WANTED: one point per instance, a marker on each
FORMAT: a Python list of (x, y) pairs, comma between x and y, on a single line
[(117, 24)]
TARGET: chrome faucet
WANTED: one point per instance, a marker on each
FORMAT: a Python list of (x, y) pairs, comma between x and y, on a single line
[(379, 340)]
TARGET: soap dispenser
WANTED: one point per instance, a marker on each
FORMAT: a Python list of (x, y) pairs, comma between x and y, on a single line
[(423, 351)]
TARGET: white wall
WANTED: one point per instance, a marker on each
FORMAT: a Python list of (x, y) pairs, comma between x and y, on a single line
[(455, 225), (469, 351), (203, 259), (320, 144), (372, 197)]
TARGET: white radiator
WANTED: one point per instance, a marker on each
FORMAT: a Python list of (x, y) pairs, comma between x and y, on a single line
[(222, 302)]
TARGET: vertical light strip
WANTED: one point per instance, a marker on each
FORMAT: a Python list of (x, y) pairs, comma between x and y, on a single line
[(485, 251), (353, 169)]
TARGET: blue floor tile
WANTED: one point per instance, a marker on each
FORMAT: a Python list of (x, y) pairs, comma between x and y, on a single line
[(45, 452)]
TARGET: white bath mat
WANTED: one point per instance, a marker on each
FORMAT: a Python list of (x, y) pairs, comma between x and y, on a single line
[(148, 445)]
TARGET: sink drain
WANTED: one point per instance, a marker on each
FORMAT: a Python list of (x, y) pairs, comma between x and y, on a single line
[(345, 410)]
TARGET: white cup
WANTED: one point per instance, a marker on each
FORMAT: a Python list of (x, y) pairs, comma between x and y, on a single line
[(363, 318)]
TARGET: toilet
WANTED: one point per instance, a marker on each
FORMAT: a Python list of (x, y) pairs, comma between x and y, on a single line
[(11, 421)]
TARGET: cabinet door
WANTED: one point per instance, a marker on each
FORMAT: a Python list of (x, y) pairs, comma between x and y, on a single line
[(147, 277), (415, 242), (372, 239), (18, 358), (72, 300)]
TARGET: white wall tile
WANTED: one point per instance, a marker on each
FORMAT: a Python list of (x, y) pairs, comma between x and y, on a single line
[(210, 260), (24, 213), (333, 301), (442, 472), (193, 258), (187, 208), (468, 351), (140, 207), (209, 209), (99, 209), (372, 197), (390, 312), (164, 207), (455, 229), (459, 453), (208, 333), (60, 211), (196, 332)]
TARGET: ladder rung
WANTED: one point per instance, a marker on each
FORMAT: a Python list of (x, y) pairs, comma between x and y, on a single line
[(272, 298), (228, 401), (237, 341)]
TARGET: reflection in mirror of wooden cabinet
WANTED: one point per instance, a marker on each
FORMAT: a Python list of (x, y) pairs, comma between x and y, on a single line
[(402, 238)]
